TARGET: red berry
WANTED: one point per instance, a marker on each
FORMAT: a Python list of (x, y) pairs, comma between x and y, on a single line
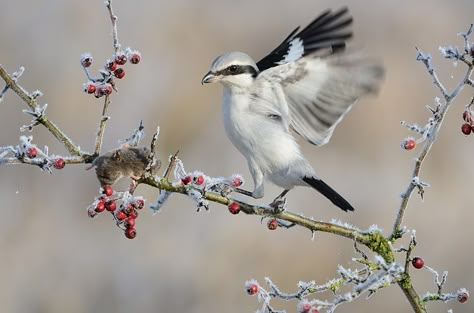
[(315, 311), (120, 215), (199, 180), (417, 262), (186, 180), (466, 129), (463, 297), (236, 181), (89, 87), (129, 222), (134, 214), (111, 65), (408, 143), (252, 289), (106, 89), (86, 60), (31, 152), (304, 307), (272, 224), (130, 233), (119, 73), (139, 204), (107, 190), (135, 58), (110, 205), (121, 58), (128, 209), (234, 208), (59, 163), (466, 116), (91, 213), (100, 207)]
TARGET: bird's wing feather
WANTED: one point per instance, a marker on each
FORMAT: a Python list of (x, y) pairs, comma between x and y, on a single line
[(330, 29), (320, 89)]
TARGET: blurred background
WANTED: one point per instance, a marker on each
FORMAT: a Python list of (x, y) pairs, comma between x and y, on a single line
[(55, 259)]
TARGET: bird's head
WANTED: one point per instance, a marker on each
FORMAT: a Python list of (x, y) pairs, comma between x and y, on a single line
[(232, 69)]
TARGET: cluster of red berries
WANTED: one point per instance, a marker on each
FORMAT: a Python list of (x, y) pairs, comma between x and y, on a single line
[(104, 86), (197, 179), (58, 163), (125, 215), (468, 126)]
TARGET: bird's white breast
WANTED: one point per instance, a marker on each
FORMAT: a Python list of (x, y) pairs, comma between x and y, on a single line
[(260, 139)]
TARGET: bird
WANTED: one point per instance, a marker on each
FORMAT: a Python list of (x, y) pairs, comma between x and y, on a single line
[(304, 87)]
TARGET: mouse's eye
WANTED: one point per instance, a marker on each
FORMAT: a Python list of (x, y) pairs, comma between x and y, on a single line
[(233, 69)]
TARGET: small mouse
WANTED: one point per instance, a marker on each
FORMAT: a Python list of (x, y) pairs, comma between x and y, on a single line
[(124, 162)]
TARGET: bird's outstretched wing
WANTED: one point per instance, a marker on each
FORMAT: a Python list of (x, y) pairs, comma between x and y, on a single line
[(320, 78), (330, 29)]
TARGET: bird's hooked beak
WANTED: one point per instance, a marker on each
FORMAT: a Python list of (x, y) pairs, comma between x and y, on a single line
[(209, 78)]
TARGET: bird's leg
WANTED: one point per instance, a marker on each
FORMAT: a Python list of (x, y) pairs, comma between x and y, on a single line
[(279, 203)]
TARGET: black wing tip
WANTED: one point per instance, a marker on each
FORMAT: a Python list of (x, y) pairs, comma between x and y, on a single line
[(329, 193)]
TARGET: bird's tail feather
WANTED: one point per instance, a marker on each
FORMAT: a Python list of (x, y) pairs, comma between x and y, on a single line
[(329, 193)]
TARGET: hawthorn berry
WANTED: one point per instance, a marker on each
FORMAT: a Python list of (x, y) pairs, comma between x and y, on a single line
[(234, 208), (129, 222), (130, 233), (120, 58), (120, 215), (86, 60), (134, 214), (236, 181), (466, 129), (463, 297), (199, 180), (107, 190), (272, 224), (59, 163), (466, 116), (315, 311), (119, 73), (186, 180), (90, 87), (128, 209), (100, 207), (31, 152), (135, 57), (106, 89), (110, 205), (417, 262), (139, 204), (304, 307), (252, 289), (111, 65), (408, 143)]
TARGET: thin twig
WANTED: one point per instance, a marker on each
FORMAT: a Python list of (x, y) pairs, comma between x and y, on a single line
[(113, 19), (103, 122), (31, 102)]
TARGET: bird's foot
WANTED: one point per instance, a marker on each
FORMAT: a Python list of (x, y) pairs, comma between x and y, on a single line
[(278, 205)]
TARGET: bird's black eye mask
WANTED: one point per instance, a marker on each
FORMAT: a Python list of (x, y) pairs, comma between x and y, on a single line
[(237, 69)]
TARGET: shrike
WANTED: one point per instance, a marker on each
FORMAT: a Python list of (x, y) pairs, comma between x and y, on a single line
[(307, 84)]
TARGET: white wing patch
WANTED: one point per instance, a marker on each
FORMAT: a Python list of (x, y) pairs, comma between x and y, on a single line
[(295, 51)]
